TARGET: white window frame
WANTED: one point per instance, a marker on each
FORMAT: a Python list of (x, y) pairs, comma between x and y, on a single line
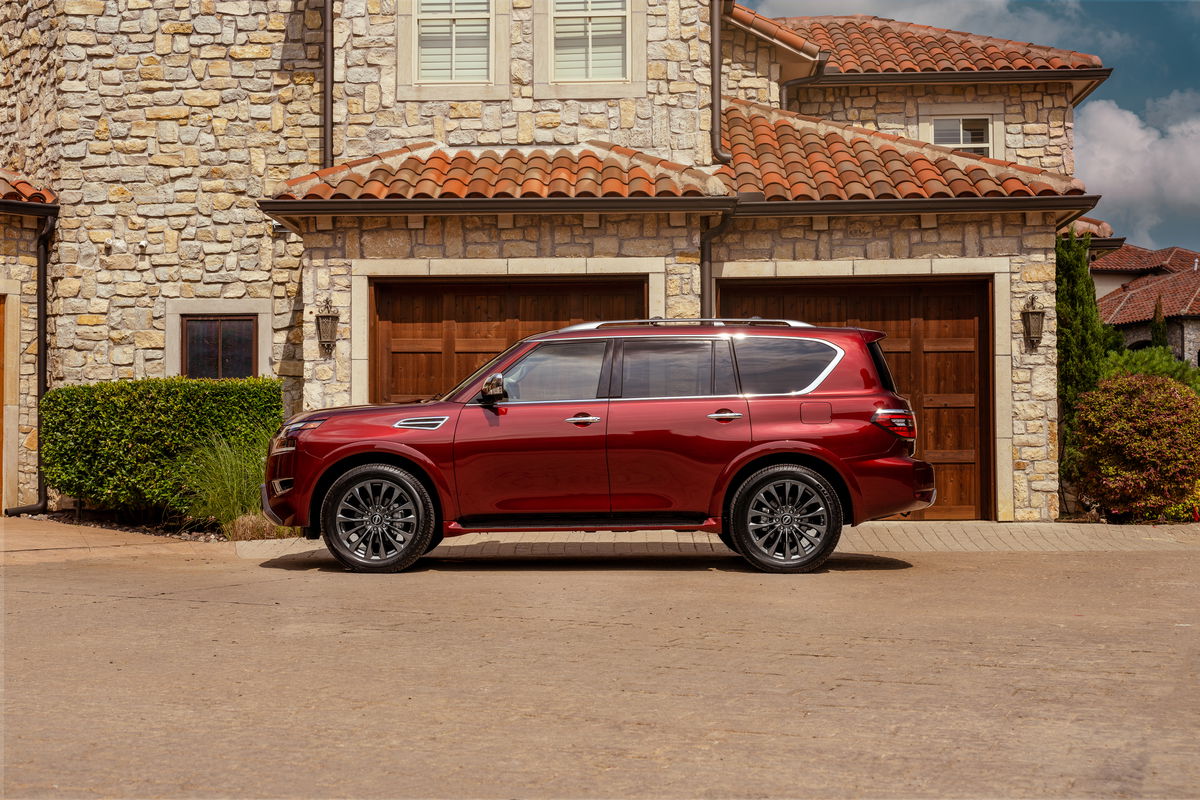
[(993, 112), (546, 87), (554, 17), (408, 83), (989, 146), (489, 16)]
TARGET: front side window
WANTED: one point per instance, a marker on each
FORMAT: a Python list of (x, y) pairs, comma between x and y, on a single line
[(219, 346), (454, 41), (665, 368), (591, 40), (769, 365), (971, 134), (557, 371)]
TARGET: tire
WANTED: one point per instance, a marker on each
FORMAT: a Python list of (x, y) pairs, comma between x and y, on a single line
[(727, 539), (434, 541), (377, 518), (799, 511)]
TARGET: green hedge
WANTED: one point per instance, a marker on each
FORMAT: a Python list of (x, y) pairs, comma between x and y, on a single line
[(127, 445)]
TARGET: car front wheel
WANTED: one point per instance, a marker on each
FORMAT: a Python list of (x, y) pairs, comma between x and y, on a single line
[(786, 518), (377, 518)]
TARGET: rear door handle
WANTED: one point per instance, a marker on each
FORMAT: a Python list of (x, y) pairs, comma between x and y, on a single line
[(582, 419), (725, 416)]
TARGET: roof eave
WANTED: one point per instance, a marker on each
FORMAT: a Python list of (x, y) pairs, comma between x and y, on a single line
[(1073, 206), (492, 205), (1085, 79), (28, 209)]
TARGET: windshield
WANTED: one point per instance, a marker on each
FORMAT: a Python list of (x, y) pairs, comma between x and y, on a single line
[(487, 367)]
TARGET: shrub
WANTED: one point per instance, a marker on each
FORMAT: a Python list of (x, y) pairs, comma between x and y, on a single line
[(1139, 445), (1150, 361), (223, 477), (1186, 511), (126, 445)]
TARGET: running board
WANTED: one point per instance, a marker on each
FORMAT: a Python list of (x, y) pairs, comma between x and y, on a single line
[(588, 524)]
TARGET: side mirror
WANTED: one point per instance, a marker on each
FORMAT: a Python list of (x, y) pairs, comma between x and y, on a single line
[(493, 388)]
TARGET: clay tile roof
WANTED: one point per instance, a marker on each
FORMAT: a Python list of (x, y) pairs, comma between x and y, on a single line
[(791, 157), (1131, 258), (868, 44), (774, 30), (1089, 225), (18, 188), (1135, 301), (431, 170)]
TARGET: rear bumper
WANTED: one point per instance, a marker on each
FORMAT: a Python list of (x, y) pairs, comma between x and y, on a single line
[(893, 485)]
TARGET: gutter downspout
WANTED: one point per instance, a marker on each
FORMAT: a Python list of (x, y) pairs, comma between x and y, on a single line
[(707, 285), (43, 360), (714, 37), (327, 90), (817, 74)]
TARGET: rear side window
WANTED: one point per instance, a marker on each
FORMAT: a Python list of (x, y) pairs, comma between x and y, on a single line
[(776, 365), (666, 368), (881, 367)]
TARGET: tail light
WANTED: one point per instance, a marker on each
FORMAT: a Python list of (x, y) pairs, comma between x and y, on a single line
[(899, 421)]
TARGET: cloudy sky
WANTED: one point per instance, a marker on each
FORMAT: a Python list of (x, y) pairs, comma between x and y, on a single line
[(1137, 138)]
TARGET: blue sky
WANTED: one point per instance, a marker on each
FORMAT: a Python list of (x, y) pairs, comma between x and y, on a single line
[(1137, 138)]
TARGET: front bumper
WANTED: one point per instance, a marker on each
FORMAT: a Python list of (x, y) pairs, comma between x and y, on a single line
[(271, 513)]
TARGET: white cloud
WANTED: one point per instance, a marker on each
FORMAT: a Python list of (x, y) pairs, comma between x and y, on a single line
[(1148, 173), (1056, 23)]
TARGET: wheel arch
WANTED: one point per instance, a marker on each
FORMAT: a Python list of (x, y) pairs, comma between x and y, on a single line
[(391, 458), (815, 463)]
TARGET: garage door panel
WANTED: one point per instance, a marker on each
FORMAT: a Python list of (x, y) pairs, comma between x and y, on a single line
[(428, 336), (934, 349)]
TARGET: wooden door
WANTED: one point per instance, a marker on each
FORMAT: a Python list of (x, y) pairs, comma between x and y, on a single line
[(937, 348), (428, 336)]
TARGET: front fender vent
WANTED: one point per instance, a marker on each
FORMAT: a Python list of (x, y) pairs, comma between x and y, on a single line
[(422, 423)]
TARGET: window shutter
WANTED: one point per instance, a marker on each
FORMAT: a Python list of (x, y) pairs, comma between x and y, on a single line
[(608, 48), (591, 39), (454, 40)]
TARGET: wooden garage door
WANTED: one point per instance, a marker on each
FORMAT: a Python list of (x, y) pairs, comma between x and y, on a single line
[(428, 336), (937, 355)]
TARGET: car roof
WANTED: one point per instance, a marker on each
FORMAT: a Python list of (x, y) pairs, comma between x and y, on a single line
[(666, 328)]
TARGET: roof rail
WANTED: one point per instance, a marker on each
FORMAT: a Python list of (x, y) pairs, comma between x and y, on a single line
[(717, 321)]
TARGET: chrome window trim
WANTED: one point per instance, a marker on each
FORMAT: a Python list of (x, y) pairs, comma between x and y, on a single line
[(420, 423)]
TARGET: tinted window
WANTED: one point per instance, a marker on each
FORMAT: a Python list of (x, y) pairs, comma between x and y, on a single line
[(566, 371), (724, 380), (664, 368), (218, 347), (780, 366), (881, 367)]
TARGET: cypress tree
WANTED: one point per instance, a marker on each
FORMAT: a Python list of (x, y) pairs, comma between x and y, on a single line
[(1158, 326)]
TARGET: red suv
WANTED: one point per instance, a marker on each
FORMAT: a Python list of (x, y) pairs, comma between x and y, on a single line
[(769, 433)]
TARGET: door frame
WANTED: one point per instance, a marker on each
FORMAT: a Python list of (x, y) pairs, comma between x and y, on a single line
[(990, 450), (10, 390), (373, 283)]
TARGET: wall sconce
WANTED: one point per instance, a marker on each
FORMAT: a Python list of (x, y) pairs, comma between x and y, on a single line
[(1033, 317), (327, 323)]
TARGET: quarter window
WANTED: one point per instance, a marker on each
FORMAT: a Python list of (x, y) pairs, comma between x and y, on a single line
[(769, 365), (454, 41), (219, 346), (664, 368), (591, 40), (557, 371), (970, 134)]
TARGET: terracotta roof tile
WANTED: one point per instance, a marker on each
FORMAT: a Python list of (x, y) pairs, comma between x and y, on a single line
[(1131, 258), (1135, 301), (1089, 225), (775, 30), (868, 44), (16, 187), (789, 156), (430, 170)]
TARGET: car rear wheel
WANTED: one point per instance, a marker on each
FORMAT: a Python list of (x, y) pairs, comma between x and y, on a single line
[(377, 518), (786, 518)]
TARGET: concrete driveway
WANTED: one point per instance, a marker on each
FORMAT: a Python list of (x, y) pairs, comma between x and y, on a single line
[(609, 667)]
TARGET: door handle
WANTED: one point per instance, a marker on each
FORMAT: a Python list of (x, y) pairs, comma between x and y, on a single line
[(582, 419), (725, 416)]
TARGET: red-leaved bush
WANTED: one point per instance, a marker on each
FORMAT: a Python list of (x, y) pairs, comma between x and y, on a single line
[(1139, 443)]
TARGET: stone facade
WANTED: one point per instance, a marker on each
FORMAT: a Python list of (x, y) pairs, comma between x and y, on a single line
[(1183, 337), (18, 284)]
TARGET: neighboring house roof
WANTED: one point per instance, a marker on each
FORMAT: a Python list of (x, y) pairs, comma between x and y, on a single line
[(16, 188), (1132, 258), (1096, 228), (789, 156), (862, 43), (432, 170), (1135, 301)]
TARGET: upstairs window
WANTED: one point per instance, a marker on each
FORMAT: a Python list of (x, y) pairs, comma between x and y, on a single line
[(454, 41), (970, 134), (591, 40)]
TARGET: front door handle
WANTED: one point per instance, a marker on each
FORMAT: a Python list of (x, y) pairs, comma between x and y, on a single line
[(725, 415), (582, 419)]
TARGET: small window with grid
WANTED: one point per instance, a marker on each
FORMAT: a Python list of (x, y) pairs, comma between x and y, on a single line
[(970, 134), (220, 346), (591, 40), (454, 41)]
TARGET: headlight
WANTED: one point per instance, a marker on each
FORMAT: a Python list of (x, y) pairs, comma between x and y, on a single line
[(286, 438)]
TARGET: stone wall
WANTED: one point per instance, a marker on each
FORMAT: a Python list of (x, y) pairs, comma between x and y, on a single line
[(31, 49), (18, 264), (751, 68), (1038, 117), (1183, 337)]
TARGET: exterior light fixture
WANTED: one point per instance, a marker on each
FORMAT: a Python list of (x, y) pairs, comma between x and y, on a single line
[(327, 323), (1033, 317)]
